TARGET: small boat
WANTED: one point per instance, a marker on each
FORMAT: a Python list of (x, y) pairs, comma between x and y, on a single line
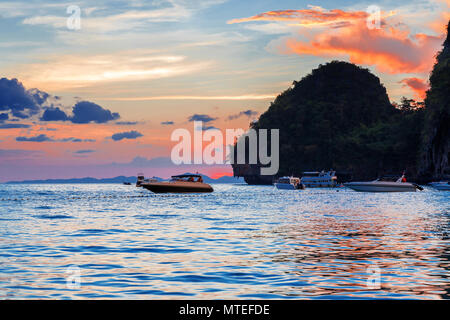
[(441, 185), (322, 179), (385, 184), (187, 183), (127, 183), (289, 183)]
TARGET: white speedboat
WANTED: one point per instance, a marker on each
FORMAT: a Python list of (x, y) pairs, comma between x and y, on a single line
[(289, 183), (319, 179), (441, 185), (385, 184)]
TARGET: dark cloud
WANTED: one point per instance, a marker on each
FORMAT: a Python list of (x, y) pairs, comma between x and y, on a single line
[(247, 113), (86, 112), (84, 151), (167, 123), (22, 103), (76, 140), (126, 135), (3, 117), (54, 114), (126, 123), (39, 138), (39, 96), (83, 112), (201, 117), (14, 126), (206, 128), (45, 138)]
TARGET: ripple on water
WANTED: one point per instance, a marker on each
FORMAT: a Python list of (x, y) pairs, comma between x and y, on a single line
[(240, 242)]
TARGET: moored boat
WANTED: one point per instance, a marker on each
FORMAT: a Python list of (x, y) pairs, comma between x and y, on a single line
[(322, 179), (385, 184), (188, 183), (289, 183)]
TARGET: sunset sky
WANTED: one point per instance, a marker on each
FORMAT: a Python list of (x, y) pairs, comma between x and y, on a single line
[(103, 100)]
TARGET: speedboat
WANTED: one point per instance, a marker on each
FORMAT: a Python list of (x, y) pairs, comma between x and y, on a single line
[(441, 185), (322, 179), (187, 183), (141, 179), (289, 183), (385, 184)]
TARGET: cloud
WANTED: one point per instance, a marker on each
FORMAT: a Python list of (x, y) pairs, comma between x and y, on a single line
[(84, 151), (161, 162), (239, 97), (14, 126), (201, 117), (54, 114), (247, 113), (392, 48), (18, 153), (71, 139), (39, 138), (45, 138), (3, 117), (167, 123), (210, 128), (126, 135), (306, 17), (127, 123), (419, 86), (85, 112), (15, 98), (75, 71)]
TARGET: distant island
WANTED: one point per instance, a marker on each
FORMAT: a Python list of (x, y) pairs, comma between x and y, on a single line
[(119, 179)]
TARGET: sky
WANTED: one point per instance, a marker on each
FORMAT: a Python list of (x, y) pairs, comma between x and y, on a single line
[(102, 98)]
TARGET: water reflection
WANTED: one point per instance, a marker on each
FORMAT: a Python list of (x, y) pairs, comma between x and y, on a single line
[(239, 242)]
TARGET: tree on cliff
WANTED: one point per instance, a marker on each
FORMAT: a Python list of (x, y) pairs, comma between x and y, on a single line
[(435, 151), (340, 117)]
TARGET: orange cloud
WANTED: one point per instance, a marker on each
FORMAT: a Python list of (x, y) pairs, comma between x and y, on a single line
[(419, 87), (313, 16), (390, 50)]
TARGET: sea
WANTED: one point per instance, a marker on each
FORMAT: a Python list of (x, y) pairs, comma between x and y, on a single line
[(110, 241)]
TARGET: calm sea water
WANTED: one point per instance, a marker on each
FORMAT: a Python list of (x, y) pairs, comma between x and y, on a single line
[(240, 242)]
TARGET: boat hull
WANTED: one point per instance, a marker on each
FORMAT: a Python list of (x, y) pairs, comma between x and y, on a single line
[(374, 187), (183, 187), (285, 186)]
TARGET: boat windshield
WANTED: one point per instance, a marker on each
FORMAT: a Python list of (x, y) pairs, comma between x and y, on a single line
[(311, 174), (192, 178)]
